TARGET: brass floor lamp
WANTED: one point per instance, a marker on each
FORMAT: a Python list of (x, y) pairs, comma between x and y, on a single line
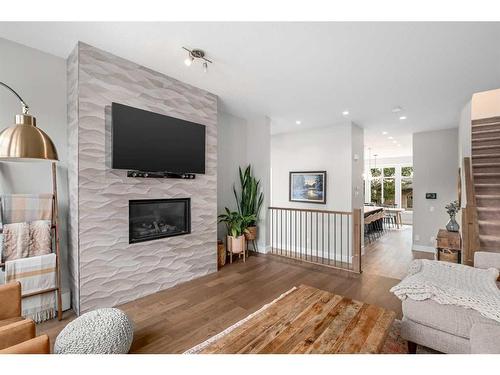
[(24, 141)]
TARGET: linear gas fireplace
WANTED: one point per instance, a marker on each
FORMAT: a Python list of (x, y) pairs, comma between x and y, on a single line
[(150, 219)]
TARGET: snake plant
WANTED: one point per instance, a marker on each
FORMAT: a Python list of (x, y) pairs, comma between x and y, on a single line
[(250, 200)]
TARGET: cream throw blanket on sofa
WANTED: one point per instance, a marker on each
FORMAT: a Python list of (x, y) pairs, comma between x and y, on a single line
[(452, 284)]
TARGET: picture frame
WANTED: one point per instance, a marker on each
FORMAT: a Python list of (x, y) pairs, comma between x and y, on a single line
[(307, 187)]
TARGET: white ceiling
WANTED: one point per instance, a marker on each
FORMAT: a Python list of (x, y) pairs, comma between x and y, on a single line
[(308, 71)]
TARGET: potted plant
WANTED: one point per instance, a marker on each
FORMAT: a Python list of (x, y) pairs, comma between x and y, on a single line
[(236, 225), (249, 201)]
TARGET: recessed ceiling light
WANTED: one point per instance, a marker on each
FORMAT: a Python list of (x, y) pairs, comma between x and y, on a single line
[(397, 109), (345, 113), (298, 122), (394, 142), (402, 117), (390, 137), (399, 145), (384, 133)]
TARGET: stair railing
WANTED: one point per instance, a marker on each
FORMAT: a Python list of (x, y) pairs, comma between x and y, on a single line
[(328, 238), (470, 225)]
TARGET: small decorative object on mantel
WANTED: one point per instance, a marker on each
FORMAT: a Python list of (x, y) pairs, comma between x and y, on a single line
[(452, 209)]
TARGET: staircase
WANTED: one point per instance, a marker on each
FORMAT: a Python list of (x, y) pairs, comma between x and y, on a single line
[(486, 176)]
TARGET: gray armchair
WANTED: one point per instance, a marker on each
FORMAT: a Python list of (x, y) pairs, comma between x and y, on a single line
[(449, 328)]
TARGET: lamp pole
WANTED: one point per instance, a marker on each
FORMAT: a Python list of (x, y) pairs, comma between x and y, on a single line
[(25, 106)]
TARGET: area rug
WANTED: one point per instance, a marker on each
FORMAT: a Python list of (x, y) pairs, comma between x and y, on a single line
[(394, 344)]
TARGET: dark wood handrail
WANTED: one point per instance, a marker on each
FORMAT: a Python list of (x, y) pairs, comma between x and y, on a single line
[(311, 210)]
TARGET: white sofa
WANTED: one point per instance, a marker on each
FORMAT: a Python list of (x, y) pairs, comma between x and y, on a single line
[(449, 328)]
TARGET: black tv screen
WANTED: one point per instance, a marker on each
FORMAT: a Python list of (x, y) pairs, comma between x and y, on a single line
[(150, 142)]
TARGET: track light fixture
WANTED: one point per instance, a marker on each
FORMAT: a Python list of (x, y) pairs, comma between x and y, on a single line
[(195, 54)]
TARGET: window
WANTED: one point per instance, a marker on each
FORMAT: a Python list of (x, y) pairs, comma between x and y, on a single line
[(376, 186), (391, 185), (407, 188)]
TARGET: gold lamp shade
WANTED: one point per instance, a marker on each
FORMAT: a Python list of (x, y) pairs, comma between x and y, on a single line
[(25, 141)]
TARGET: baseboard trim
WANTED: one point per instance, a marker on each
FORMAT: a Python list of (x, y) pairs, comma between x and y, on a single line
[(427, 249)]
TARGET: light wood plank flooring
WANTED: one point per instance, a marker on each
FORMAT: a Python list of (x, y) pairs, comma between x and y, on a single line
[(391, 254), (176, 319)]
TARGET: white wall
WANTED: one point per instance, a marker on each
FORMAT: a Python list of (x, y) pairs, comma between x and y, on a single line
[(464, 143), (241, 142), (231, 149), (357, 157), (435, 155), (485, 104), (319, 149), (331, 149), (258, 137), (40, 79)]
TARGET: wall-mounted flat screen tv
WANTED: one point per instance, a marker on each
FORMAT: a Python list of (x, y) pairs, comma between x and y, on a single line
[(150, 142)]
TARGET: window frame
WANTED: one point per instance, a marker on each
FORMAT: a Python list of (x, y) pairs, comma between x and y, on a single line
[(398, 177)]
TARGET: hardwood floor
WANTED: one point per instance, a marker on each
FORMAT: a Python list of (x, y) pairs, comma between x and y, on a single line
[(391, 254), (176, 319)]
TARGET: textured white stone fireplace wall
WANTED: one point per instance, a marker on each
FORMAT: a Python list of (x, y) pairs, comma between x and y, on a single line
[(108, 270)]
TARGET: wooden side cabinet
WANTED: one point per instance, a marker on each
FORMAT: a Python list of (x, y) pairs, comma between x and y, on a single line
[(449, 246)]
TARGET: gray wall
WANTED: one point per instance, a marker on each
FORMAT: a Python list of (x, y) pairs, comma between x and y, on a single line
[(241, 142), (435, 155), (40, 79), (110, 270), (231, 150)]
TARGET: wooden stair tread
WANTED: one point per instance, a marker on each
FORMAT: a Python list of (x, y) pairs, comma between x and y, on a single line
[(486, 184), (486, 139), (485, 121), (479, 165), (489, 222), (487, 131), (495, 155), (489, 209), (488, 196), (489, 237), (486, 174), (486, 147)]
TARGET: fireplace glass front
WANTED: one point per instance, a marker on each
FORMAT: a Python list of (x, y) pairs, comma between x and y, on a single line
[(150, 219)]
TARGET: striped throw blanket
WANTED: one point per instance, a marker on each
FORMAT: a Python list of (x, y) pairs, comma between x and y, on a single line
[(35, 274), (19, 208)]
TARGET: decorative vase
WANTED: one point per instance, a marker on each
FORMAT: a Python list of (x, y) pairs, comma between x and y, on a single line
[(251, 233), (452, 225)]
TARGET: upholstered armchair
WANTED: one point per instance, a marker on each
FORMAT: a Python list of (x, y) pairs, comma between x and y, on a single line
[(17, 335)]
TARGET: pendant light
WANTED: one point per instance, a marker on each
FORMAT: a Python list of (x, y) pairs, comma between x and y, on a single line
[(24, 140)]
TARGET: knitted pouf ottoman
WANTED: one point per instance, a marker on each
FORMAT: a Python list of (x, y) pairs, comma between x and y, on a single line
[(102, 331)]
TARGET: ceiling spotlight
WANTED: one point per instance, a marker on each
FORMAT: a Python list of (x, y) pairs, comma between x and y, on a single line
[(394, 142), (397, 109), (345, 113), (402, 117), (298, 122), (194, 55), (390, 137), (384, 133)]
